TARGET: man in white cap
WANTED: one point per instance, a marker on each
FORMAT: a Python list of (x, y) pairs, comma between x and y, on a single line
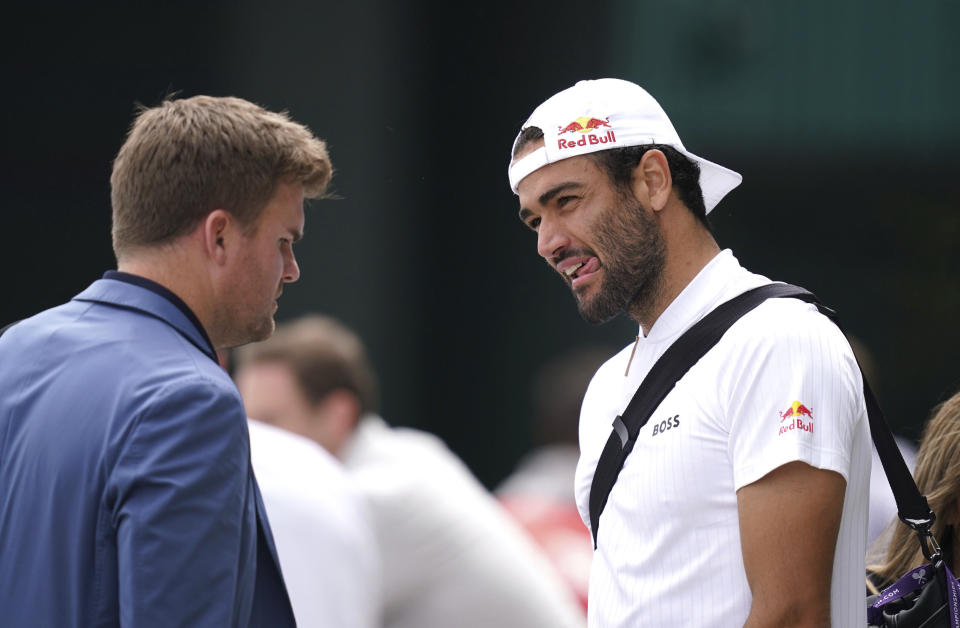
[(744, 499)]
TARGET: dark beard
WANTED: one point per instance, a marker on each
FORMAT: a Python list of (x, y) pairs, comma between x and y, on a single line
[(635, 256)]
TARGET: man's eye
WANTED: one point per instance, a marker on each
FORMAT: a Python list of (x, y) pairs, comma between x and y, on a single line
[(564, 200), (533, 223)]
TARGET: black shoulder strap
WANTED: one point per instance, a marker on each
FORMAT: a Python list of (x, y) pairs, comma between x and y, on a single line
[(687, 351)]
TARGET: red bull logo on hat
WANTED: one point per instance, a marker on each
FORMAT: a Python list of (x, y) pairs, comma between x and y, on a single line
[(587, 126), (796, 417), (584, 124)]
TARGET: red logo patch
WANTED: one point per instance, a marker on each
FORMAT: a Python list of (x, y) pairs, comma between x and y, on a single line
[(796, 417), (587, 126)]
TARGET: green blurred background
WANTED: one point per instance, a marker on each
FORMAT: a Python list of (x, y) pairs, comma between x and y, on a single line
[(840, 115)]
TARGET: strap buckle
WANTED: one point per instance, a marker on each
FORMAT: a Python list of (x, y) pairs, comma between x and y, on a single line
[(930, 547), (621, 429), (928, 543)]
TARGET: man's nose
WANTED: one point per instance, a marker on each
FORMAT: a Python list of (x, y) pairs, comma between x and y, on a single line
[(551, 239), (291, 270)]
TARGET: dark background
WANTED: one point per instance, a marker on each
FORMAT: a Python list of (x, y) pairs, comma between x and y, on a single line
[(840, 115)]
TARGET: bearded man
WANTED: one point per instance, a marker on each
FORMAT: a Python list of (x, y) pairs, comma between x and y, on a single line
[(720, 516)]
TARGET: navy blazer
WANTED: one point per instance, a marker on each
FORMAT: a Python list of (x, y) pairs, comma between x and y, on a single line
[(126, 492)]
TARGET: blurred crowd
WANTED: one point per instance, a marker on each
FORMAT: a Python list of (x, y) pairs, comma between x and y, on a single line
[(384, 526)]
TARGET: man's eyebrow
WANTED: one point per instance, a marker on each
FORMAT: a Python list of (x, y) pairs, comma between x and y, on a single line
[(547, 196), (297, 234)]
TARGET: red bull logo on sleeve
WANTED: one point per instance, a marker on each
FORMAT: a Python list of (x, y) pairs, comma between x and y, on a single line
[(797, 417), (589, 130)]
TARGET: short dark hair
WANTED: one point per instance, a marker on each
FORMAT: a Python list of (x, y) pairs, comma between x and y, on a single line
[(527, 136), (619, 164)]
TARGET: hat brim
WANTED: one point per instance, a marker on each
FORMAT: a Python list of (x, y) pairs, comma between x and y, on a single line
[(715, 180)]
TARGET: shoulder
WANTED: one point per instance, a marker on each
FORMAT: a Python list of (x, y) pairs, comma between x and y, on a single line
[(117, 363), (193, 402), (788, 326), (786, 347), (290, 465), (790, 314), (184, 409), (290, 470), (375, 444), (406, 470), (106, 340)]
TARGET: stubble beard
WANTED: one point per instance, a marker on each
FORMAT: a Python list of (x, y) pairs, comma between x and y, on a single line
[(243, 323), (261, 329), (633, 269)]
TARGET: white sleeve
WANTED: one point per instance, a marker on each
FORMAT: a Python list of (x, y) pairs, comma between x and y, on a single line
[(329, 562), (792, 393), (321, 527)]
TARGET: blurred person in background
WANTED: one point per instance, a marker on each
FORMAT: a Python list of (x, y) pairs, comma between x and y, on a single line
[(324, 536), (450, 555), (126, 495), (323, 533), (743, 501), (539, 492), (937, 474)]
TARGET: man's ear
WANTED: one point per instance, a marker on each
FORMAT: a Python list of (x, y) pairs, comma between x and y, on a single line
[(652, 182), (216, 231)]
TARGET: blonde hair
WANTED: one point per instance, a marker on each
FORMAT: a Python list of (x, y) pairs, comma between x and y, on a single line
[(937, 473), (185, 158)]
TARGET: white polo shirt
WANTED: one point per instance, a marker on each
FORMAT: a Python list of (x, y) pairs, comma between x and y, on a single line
[(782, 385), (451, 555), (325, 541)]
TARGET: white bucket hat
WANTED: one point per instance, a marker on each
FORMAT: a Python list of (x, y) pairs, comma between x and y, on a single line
[(610, 113)]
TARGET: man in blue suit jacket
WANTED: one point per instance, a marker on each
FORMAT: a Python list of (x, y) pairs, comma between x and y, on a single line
[(126, 494)]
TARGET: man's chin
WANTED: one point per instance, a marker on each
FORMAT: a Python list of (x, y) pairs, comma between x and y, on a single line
[(267, 329), (263, 330), (596, 311)]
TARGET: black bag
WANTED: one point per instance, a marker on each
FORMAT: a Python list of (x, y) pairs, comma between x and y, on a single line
[(927, 597)]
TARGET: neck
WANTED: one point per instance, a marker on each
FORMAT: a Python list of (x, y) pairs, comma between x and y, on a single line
[(689, 248), (172, 269)]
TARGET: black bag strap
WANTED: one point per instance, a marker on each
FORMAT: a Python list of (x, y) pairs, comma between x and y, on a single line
[(687, 351)]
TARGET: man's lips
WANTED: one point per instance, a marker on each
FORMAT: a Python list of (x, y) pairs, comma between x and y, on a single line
[(578, 269), (569, 265)]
